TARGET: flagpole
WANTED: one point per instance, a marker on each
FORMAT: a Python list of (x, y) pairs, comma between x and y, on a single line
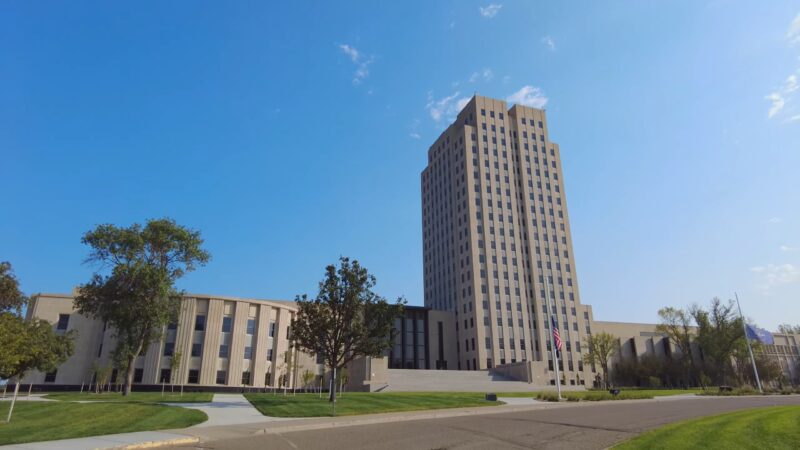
[(552, 340), (749, 348)]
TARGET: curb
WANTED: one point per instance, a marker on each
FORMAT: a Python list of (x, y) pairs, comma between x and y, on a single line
[(156, 444)]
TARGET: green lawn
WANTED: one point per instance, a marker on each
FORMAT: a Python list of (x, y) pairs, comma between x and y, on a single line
[(775, 427), (140, 397), (353, 403), (624, 393), (45, 421)]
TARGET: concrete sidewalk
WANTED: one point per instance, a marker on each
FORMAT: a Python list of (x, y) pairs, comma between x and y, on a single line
[(227, 409), (224, 410)]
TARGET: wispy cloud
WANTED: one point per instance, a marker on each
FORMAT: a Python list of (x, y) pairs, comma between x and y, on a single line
[(786, 248), (362, 62), (773, 275), (506, 79), (485, 74), (550, 43), (415, 129), (774, 220), (780, 96), (783, 95), (528, 96), (793, 35), (490, 11), (445, 108)]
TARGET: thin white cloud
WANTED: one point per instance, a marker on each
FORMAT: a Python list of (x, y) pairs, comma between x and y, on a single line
[(362, 62), (415, 129), (774, 220), (528, 96), (550, 43), (793, 35), (490, 11), (782, 96), (485, 74), (786, 248), (506, 79), (773, 275), (778, 102), (445, 108)]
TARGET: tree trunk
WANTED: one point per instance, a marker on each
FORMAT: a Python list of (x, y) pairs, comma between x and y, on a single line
[(332, 393), (129, 376), (13, 399)]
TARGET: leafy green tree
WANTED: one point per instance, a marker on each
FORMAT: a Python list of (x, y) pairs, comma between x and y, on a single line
[(347, 319), (677, 325), (308, 378), (602, 346), (137, 296), (719, 335), (174, 368), (785, 328), (26, 345), (11, 298), (103, 375)]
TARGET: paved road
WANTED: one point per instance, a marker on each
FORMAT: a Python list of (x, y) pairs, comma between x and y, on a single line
[(575, 426)]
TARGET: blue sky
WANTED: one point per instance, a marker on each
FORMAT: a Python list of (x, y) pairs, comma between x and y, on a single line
[(291, 135)]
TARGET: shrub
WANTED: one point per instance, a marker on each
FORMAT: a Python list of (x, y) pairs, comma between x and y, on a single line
[(547, 396)]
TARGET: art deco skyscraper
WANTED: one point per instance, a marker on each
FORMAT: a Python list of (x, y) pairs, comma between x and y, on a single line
[(495, 223)]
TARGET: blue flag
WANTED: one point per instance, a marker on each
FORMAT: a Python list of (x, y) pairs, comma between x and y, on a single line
[(760, 335)]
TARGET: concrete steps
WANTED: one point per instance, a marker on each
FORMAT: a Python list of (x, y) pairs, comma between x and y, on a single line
[(406, 380)]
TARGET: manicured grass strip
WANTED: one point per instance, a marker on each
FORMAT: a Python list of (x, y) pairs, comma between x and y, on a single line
[(776, 427), (625, 394), (354, 403), (46, 421), (140, 397)]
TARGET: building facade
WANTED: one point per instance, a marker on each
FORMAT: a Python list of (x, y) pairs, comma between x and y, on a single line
[(496, 232), (221, 341), (234, 343)]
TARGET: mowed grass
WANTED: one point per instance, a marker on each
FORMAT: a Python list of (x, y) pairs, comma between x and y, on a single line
[(137, 397), (625, 394), (775, 427), (46, 421), (354, 403)]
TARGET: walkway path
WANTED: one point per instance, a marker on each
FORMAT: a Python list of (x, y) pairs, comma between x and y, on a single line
[(227, 409), (224, 410)]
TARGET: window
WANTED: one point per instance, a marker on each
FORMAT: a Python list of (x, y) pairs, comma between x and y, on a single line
[(246, 378), (169, 348), (138, 374), (200, 323), (248, 352), (223, 351), (197, 349), (50, 377), (227, 323), (251, 326), (194, 376), (166, 375), (63, 322), (222, 377), (271, 328), (269, 354), (172, 326)]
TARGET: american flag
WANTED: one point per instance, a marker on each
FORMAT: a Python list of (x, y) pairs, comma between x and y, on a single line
[(556, 336)]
